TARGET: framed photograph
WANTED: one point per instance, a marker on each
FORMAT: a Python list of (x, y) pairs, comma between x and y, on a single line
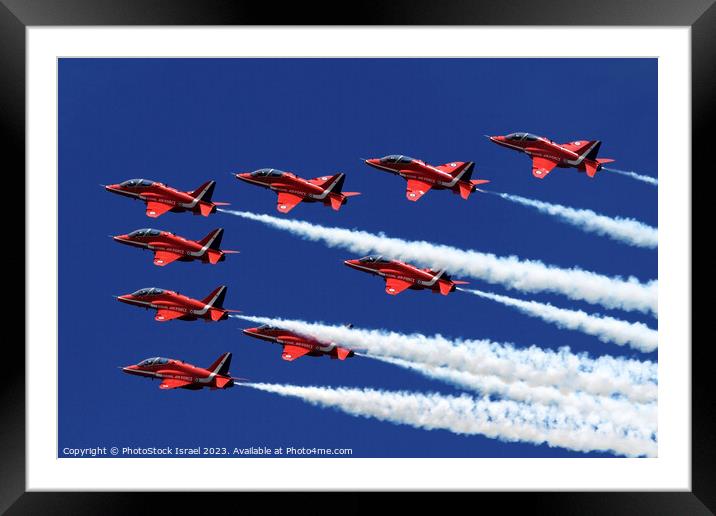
[(445, 248)]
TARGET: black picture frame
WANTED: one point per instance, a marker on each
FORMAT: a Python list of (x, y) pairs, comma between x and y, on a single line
[(17, 15)]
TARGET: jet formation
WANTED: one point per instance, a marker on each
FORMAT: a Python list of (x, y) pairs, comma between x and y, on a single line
[(292, 190)]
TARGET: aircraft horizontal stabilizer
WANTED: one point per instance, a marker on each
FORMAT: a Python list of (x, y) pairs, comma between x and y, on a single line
[(337, 202), (590, 167), (445, 287), (221, 381), (214, 256), (342, 353), (205, 209), (216, 315)]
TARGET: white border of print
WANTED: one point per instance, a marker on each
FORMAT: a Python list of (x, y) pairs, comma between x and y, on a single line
[(671, 470)]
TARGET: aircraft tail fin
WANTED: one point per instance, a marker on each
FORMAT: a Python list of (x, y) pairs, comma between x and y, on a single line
[(213, 239), (469, 168), (594, 150), (343, 353), (216, 298), (205, 191), (221, 364), (335, 183)]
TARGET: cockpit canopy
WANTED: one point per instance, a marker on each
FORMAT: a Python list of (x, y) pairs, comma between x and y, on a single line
[(153, 361), (373, 259), (136, 182), (267, 172), (145, 232), (148, 292), (268, 327), (522, 136), (396, 158)]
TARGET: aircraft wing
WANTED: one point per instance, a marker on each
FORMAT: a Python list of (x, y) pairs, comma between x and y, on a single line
[(395, 286), (416, 189), (291, 353), (287, 201), (164, 315), (542, 166), (172, 383), (155, 209), (163, 258)]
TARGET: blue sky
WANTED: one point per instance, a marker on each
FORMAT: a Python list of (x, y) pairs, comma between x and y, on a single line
[(186, 121)]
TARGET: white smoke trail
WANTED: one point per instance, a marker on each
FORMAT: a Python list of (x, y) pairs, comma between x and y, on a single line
[(505, 420), (566, 371), (607, 329), (621, 412), (626, 230), (634, 175), (525, 275)]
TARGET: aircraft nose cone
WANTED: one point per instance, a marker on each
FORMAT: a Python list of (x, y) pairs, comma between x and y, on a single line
[(243, 175), (350, 263), (129, 368), (120, 238), (250, 331)]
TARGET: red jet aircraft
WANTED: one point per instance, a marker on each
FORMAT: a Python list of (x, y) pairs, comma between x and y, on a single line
[(400, 276), (177, 374), (169, 247), (421, 177), (292, 189), (546, 154), (295, 345), (161, 198), (173, 305)]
